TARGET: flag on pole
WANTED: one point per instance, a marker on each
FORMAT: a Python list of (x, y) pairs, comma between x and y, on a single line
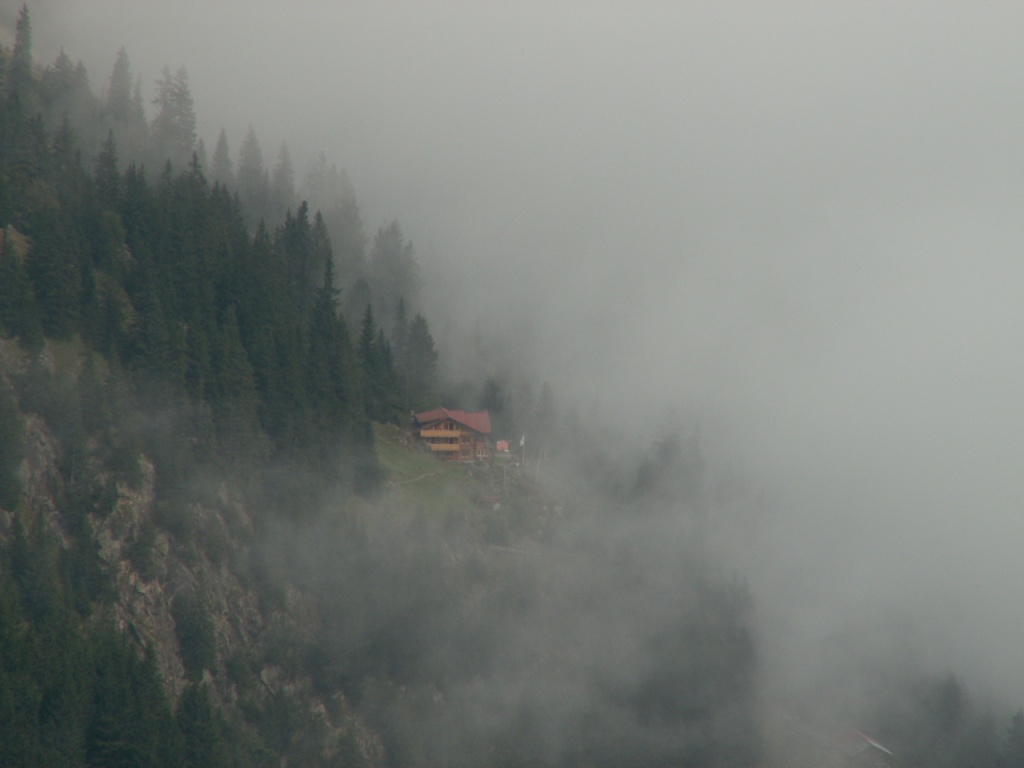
[(522, 441)]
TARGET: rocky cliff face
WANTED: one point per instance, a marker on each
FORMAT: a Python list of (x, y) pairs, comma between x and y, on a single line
[(202, 560)]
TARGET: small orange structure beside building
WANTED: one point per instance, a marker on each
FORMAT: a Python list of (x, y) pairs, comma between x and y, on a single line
[(455, 435)]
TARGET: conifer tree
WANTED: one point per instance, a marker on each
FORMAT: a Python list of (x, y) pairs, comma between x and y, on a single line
[(235, 393), (129, 720), (69, 178), (54, 269), (107, 178), (422, 365), (11, 449), (198, 722), (63, 93), (346, 223), (5, 187), (258, 293), (148, 342), (59, 76), (90, 312), (20, 663), (124, 111), (287, 404), (119, 105), (198, 360), (394, 273), (19, 72), (282, 185), (381, 390), (331, 374), (174, 126), (221, 169), (330, 191), (321, 251), (367, 333), (198, 164), (296, 248), (391, 400), (137, 113), (493, 399), (400, 339), (357, 300), (253, 181), (19, 315), (315, 186), (4, 67)]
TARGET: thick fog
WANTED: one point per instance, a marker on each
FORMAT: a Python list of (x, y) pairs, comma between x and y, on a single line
[(799, 224)]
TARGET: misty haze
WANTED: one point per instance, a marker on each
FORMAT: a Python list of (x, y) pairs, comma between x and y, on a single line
[(727, 297)]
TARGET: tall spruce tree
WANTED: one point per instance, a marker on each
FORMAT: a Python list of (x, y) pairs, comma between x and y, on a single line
[(119, 105), (346, 224), (54, 268), (253, 180), (106, 176), (19, 86), (235, 392), (394, 273), (296, 247), (124, 111), (381, 388), (422, 366), (282, 185), (221, 170), (316, 186), (321, 249), (332, 377), (173, 131), (330, 191), (64, 93), (199, 162), (400, 337)]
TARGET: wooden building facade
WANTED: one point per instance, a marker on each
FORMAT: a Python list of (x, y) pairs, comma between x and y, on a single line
[(455, 435)]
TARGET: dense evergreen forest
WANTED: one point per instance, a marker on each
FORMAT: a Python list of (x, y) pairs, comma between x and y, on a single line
[(222, 301), (206, 314), (199, 312)]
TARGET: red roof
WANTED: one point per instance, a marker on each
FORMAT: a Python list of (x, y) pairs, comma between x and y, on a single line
[(478, 421)]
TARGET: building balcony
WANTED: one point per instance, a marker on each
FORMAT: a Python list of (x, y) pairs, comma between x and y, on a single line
[(425, 433)]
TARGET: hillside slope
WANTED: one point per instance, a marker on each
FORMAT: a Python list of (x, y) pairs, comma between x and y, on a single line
[(214, 592), (461, 615)]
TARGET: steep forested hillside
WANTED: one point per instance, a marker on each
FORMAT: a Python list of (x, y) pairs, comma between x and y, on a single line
[(210, 559), (219, 546), (157, 271)]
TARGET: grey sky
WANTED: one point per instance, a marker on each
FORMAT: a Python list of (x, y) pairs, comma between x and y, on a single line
[(799, 221)]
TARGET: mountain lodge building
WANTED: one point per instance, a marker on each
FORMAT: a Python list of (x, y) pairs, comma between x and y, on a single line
[(455, 435)]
